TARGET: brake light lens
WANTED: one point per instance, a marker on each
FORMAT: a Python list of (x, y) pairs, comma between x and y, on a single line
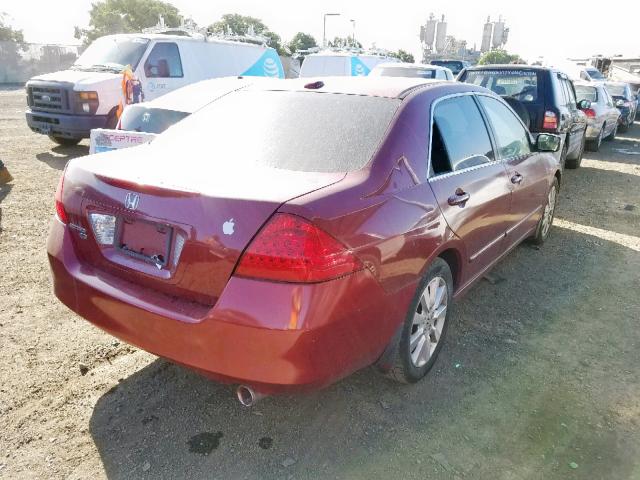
[(550, 120), (590, 112), (60, 212), (292, 249), (104, 227)]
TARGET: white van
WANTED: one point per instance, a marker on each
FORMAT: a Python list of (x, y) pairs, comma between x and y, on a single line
[(344, 64), (67, 105)]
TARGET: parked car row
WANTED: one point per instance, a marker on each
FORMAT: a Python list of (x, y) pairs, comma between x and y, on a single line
[(282, 234)]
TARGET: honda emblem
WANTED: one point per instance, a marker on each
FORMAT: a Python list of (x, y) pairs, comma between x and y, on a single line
[(131, 201)]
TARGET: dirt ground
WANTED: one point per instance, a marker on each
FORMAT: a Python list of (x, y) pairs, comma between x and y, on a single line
[(539, 378)]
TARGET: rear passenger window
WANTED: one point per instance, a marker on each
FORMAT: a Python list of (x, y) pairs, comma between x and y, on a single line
[(511, 136), (459, 136), (163, 61)]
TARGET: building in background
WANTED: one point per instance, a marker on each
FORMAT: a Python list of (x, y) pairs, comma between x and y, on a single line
[(436, 44)]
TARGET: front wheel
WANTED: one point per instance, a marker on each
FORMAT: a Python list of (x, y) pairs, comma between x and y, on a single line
[(546, 220), (425, 326), (65, 142)]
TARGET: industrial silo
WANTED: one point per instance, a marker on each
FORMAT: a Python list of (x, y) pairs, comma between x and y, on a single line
[(441, 35), (487, 31), (430, 31), (498, 34)]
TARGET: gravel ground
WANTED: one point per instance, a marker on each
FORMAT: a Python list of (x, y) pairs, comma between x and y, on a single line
[(539, 378)]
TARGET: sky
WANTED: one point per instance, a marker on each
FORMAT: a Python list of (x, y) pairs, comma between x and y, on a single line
[(553, 29)]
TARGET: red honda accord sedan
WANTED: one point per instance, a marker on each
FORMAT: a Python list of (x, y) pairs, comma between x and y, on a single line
[(292, 233)]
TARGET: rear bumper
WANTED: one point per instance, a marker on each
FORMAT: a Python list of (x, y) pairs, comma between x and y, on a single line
[(274, 337), (64, 125)]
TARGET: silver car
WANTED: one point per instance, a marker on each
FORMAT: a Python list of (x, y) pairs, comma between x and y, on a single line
[(414, 70), (602, 115)]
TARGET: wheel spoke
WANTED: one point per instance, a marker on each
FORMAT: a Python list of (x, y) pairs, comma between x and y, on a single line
[(425, 351), (417, 353), (439, 297), (415, 338), (439, 313), (434, 335)]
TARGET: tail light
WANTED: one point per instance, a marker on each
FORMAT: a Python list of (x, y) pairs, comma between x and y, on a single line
[(292, 249), (589, 112), (60, 212), (550, 120)]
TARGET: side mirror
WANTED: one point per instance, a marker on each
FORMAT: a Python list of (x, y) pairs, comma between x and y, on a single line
[(546, 142), (619, 103), (584, 104)]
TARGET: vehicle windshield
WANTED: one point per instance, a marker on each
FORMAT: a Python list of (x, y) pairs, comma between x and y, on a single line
[(416, 72), (454, 65), (519, 84), (595, 74), (616, 90), (584, 92), (139, 118), (112, 53), (302, 131)]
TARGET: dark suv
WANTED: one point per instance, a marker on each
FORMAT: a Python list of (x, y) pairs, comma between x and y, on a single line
[(544, 98)]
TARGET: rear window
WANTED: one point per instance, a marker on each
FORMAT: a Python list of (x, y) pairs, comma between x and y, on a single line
[(138, 118), (586, 93), (454, 66), (595, 74), (616, 90), (302, 131), (406, 72), (519, 84)]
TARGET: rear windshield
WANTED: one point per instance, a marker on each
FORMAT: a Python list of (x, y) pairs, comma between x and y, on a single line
[(595, 74), (586, 93), (407, 72), (616, 90), (519, 84), (453, 65), (138, 118), (302, 131)]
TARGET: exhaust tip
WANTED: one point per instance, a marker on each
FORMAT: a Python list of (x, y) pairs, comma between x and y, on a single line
[(246, 395)]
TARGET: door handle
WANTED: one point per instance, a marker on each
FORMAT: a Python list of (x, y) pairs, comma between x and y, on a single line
[(517, 178), (459, 198)]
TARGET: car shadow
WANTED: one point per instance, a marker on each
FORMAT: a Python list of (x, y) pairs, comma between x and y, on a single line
[(499, 381), (60, 155), (5, 190)]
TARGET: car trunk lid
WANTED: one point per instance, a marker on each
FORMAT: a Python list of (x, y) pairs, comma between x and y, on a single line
[(177, 231)]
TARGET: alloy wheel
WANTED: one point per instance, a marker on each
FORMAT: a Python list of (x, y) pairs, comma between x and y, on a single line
[(549, 209), (428, 321)]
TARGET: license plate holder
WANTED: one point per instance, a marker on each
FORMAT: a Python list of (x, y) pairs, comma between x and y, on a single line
[(147, 241)]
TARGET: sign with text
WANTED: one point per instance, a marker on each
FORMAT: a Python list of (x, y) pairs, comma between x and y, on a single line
[(104, 140)]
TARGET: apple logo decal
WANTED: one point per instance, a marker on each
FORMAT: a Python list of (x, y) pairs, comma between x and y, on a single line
[(227, 227)]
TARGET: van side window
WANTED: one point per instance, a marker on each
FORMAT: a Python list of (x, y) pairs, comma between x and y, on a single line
[(459, 137), (163, 61)]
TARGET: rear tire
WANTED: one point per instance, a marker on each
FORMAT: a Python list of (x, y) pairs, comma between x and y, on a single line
[(594, 145), (576, 162), (563, 154), (613, 133), (548, 214), (425, 326), (65, 142)]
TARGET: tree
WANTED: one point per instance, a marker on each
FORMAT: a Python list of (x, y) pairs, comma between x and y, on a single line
[(499, 56), (12, 43), (344, 42), (302, 41), (126, 16), (403, 56), (239, 25)]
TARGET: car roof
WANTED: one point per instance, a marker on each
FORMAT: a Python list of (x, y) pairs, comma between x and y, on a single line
[(617, 84), (410, 65), (387, 87), (514, 66), (185, 38)]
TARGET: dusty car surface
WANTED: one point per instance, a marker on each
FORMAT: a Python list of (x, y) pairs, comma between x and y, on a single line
[(602, 115), (289, 234), (412, 70)]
